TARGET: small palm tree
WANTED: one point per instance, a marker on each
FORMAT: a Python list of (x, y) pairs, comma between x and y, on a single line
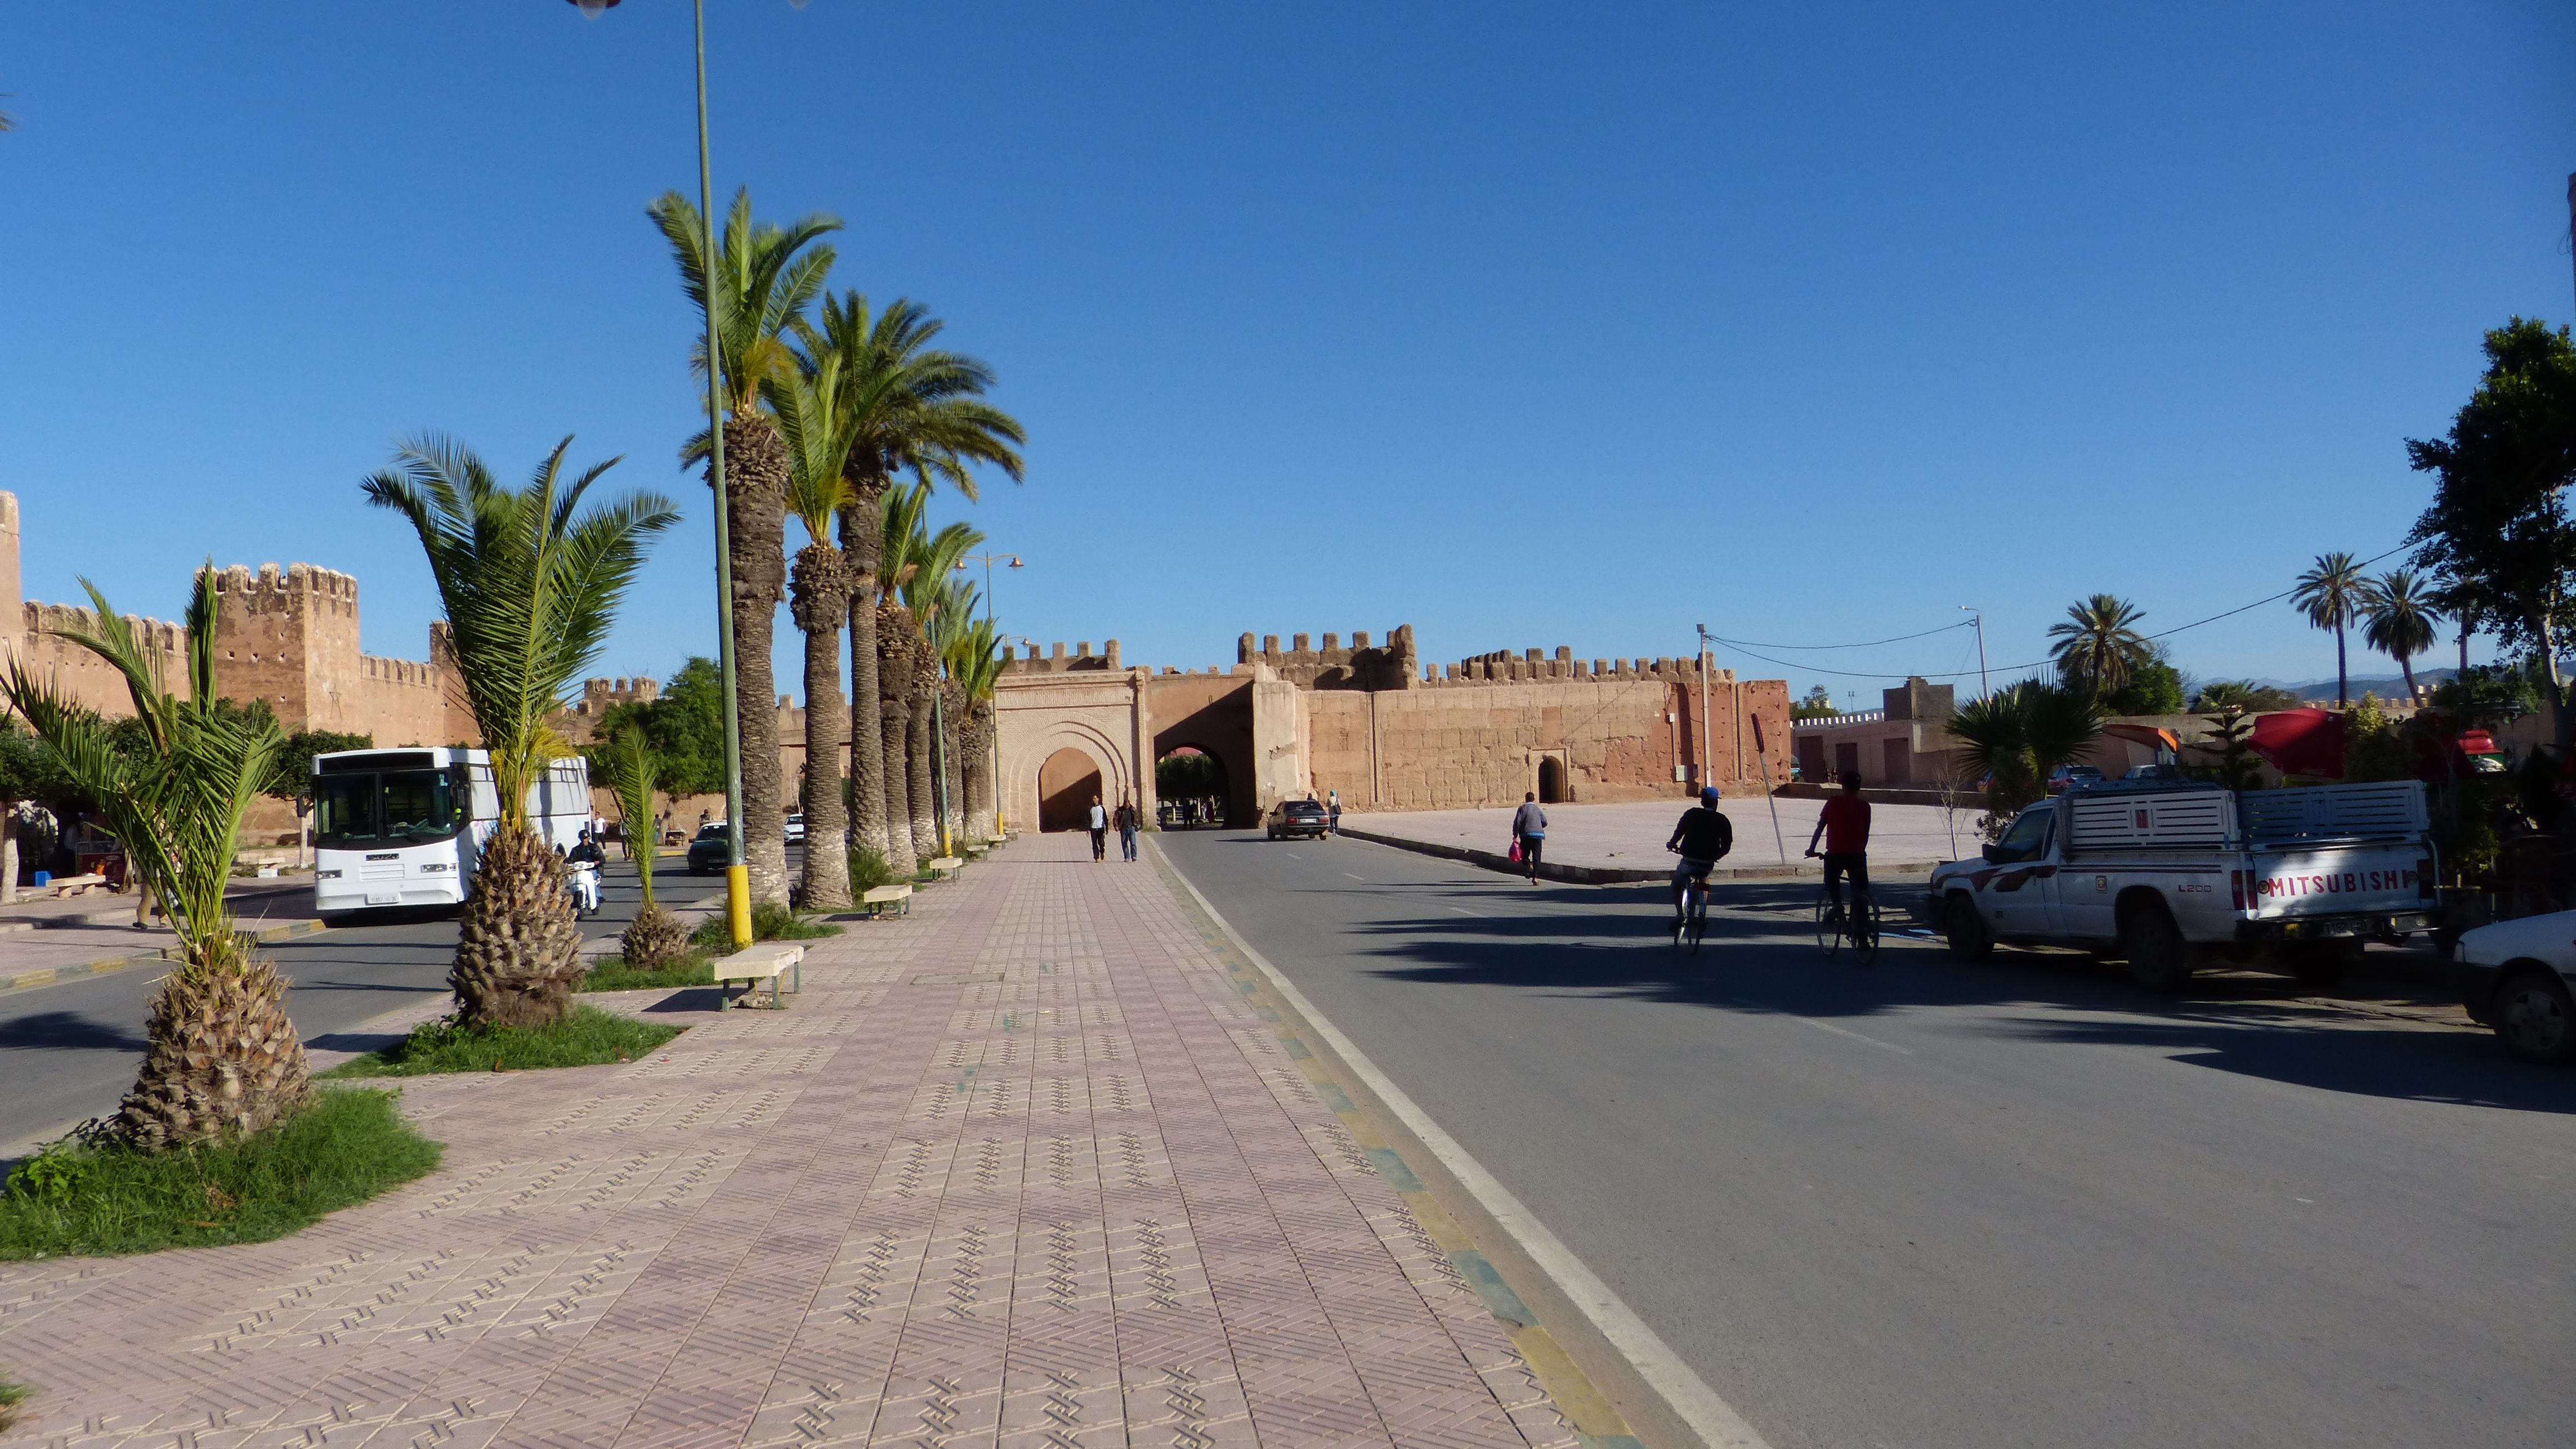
[(913, 408), (631, 772), (975, 663), (765, 276), (2330, 595), (2099, 644), (2018, 735), (530, 584), (814, 422), (220, 1054), (2398, 615)]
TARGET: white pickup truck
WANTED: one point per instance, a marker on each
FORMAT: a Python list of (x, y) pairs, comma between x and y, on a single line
[(2169, 875)]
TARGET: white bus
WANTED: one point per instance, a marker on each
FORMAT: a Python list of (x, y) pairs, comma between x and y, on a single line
[(404, 827)]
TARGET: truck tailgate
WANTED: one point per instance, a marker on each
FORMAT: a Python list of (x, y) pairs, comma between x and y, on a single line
[(2334, 879)]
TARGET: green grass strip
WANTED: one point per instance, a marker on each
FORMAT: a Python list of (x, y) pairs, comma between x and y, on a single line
[(108, 1199), (610, 974), (587, 1037), (769, 922)]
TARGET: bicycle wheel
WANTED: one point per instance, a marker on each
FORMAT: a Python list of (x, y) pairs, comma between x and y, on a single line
[(1864, 930), (1829, 932), (1698, 923)]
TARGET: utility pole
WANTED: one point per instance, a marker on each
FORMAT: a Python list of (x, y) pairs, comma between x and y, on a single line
[(1704, 738), (1983, 688)]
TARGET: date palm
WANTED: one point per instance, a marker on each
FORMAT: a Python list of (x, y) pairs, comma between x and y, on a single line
[(2330, 595), (627, 767), (913, 409), (220, 1055), (2099, 644), (2397, 619), (2021, 733), (764, 277), (813, 421), (975, 663), (918, 563), (530, 582)]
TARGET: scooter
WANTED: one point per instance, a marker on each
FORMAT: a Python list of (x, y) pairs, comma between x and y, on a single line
[(581, 878)]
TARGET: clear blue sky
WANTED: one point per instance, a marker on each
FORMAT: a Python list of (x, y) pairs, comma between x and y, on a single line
[(1527, 324)]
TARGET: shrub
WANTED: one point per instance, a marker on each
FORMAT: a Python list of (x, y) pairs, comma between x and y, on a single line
[(769, 922), (654, 940), (585, 1037), (868, 870)]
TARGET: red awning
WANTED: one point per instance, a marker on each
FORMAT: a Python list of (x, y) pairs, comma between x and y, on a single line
[(2479, 742), (2301, 742)]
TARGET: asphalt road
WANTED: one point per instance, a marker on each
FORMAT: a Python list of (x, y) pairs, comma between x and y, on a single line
[(1933, 1204), (69, 1051)]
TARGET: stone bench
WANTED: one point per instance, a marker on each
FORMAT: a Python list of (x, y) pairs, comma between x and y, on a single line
[(768, 961), (75, 885), (944, 866), (884, 898)]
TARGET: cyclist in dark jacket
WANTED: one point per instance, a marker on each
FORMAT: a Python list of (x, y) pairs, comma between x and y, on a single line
[(1703, 835)]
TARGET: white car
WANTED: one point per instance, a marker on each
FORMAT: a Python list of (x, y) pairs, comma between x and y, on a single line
[(2514, 977), (796, 828)]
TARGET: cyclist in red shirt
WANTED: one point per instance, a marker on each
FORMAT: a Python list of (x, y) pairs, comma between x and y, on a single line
[(1844, 827)]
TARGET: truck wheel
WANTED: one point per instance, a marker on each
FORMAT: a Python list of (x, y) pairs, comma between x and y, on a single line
[(2534, 1018), (2159, 958), (1969, 938), (2320, 963)]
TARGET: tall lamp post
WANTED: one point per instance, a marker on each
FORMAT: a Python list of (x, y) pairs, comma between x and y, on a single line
[(1979, 619), (988, 560), (1704, 757), (737, 874)]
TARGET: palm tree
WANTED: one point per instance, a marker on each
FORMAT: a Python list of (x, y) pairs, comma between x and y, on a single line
[(220, 1054), (530, 583), (917, 564), (813, 421), (2099, 643), (626, 765), (2459, 599), (950, 620), (2018, 735), (765, 277), (2330, 594), (2398, 615), (892, 630), (915, 409), (975, 662)]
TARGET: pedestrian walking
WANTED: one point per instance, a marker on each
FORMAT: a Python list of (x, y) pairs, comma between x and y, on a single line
[(1529, 826), (1099, 830), (1333, 811), (1126, 828)]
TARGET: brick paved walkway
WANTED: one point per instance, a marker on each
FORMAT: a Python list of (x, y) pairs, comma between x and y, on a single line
[(1025, 1169)]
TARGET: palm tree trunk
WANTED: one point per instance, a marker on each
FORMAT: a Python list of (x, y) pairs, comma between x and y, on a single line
[(518, 947), (2406, 667), (2342, 688), (925, 815), (894, 728), (977, 758), (821, 604), (2464, 652), (221, 1055), (756, 519), (862, 546)]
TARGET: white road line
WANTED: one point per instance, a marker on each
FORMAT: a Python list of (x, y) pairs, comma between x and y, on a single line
[(1292, 855), (1855, 1036), (1355, 877), (1685, 1392), (1462, 910)]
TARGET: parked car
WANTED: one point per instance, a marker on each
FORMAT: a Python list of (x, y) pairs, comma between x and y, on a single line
[(2168, 876), (796, 828), (2514, 978), (2073, 777), (709, 852), (1292, 818)]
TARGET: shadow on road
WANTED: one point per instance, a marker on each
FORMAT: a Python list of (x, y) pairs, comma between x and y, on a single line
[(67, 1031), (1760, 957)]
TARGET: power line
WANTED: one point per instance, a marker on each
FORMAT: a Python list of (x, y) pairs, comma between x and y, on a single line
[(1866, 644), (2013, 668)]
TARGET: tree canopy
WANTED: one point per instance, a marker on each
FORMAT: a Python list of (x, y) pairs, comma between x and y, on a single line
[(684, 727)]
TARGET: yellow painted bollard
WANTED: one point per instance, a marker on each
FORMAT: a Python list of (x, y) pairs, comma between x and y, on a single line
[(738, 904)]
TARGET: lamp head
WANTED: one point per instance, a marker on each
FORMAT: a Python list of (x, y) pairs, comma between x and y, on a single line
[(1015, 560), (591, 9)]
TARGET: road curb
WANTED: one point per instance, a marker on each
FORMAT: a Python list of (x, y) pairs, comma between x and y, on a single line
[(1601, 1365), (49, 975), (1495, 860)]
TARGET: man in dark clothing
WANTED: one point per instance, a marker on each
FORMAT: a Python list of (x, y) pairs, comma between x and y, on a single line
[(1126, 820), (1844, 827), (1702, 837), (1529, 826)]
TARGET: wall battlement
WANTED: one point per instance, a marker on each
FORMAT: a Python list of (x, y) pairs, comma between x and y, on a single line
[(1358, 665), (157, 635), (237, 586), (1056, 661), (598, 696), (1531, 667)]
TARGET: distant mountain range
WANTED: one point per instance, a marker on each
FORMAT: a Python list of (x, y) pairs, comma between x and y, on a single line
[(2386, 686)]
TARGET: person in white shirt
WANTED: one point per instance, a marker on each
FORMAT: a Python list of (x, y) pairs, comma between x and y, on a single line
[(1099, 830)]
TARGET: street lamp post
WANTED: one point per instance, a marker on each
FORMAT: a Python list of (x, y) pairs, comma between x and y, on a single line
[(737, 874), (1979, 619), (987, 560), (1704, 736)]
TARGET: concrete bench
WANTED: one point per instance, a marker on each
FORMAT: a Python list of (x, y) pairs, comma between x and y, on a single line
[(884, 898), (944, 866), (75, 885), (768, 961)]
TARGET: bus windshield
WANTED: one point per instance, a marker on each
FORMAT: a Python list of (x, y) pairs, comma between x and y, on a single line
[(396, 807)]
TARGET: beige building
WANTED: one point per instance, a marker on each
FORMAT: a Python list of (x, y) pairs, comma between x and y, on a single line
[(1905, 742)]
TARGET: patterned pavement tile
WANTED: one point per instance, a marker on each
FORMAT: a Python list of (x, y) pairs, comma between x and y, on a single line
[(1022, 1170)]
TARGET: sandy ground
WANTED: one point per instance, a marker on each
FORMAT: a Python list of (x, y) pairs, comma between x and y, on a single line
[(1632, 835)]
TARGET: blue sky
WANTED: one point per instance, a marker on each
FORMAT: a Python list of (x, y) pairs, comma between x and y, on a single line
[(1525, 324)]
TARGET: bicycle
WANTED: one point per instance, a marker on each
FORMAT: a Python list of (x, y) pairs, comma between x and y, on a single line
[(1694, 920), (1858, 925)]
